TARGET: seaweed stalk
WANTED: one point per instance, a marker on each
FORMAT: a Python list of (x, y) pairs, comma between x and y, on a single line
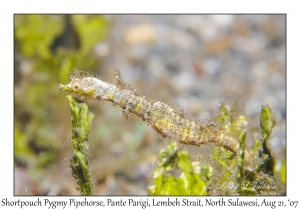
[(81, 122)]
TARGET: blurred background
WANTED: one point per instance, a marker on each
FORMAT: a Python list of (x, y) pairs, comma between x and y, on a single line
[(194, 60)]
